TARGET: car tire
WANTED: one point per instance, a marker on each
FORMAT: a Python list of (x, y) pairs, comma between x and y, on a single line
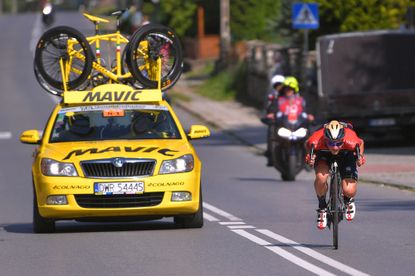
[(191, 221), (40, 224)]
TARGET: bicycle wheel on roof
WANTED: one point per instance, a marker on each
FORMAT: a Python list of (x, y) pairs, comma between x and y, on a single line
[(63, 46), (150, 42)]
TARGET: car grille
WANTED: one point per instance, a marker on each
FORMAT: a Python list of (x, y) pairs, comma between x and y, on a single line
[(129, 168), (119, 201)]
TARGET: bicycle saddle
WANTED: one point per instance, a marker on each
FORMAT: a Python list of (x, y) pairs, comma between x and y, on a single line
[(95, 19)]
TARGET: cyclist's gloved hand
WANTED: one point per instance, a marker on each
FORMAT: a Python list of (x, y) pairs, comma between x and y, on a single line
[(361, 161), (310, 159)]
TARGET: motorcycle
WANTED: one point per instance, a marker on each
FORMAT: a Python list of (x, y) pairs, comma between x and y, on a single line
[(48, 14), (289, 132)]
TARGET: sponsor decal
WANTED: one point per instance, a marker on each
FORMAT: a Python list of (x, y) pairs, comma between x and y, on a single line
[(68, 187), (79, 152), (165, 184), (110, 96), (86, 108)]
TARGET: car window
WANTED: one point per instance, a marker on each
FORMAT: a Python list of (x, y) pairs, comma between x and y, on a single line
[(113, 122)]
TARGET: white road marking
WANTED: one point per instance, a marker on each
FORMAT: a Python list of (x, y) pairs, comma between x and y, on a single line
[(36, 33), (231, 222), (236, 225), (320, 257), (35, 36), (209, 217), (241, 227), (220, 212), (4, 135), (283, 253)]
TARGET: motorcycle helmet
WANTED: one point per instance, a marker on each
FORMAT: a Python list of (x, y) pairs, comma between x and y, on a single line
[(277, 79), (292, 83), (334, 133)]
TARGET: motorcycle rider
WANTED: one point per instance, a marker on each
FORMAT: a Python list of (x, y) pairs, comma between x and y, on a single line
[(289, 102), (335, 139)]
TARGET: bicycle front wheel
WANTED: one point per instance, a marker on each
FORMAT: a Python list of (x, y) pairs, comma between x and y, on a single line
[(334, 188), (150, 42), (63, 55)]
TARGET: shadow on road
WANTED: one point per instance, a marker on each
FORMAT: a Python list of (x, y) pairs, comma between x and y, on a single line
[(377, 206), (83, 227)]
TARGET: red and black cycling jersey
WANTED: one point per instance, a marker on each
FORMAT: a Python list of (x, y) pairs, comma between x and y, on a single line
[(318, 140)]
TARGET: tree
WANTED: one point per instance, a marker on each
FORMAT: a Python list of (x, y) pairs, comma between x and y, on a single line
[(178, 14), (254, 19), (337, 16)]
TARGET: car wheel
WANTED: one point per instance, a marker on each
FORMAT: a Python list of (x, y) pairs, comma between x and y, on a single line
[(40, 224), (191, 221)]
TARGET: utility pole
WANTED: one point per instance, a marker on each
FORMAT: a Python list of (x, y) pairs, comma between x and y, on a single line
[(225, 31), (14, 7)]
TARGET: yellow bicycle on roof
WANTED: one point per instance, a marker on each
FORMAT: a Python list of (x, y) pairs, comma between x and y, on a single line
[(64, 59)]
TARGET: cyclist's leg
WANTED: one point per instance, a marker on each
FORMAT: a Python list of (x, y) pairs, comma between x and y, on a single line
[(322, 174), (348, 172), (321, 187)]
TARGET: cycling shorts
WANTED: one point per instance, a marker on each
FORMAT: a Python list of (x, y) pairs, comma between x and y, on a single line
[(346, 161)]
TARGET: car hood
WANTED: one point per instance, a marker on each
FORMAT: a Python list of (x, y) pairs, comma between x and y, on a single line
[(78, 151)]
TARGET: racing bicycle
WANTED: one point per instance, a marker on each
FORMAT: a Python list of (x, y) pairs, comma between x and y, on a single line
[(65, 61), (336, 207)]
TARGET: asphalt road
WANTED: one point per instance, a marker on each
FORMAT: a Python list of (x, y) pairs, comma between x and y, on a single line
[(255, 224)]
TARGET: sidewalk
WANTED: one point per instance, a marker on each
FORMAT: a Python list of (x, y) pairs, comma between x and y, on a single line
[(389, 167)]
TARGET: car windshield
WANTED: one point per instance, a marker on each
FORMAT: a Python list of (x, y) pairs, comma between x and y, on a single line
[(113, 122)]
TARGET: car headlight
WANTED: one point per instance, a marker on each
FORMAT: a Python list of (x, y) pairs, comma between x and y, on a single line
[(52, 167), (184, 163)]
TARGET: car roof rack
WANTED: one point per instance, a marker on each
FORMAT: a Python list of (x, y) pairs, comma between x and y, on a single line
[(114, 93)]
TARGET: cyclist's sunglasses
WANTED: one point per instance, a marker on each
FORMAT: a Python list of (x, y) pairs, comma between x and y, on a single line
[(334, 143)]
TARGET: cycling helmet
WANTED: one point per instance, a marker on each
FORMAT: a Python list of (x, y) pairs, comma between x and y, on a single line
[(292, 83), (277, 79), (334, 131)]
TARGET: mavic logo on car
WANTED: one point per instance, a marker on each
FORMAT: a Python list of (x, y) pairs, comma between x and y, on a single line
[(112, 96), (79, 152), (112, 93)]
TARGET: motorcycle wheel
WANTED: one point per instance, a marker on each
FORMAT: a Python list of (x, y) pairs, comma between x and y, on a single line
[(290, 173)]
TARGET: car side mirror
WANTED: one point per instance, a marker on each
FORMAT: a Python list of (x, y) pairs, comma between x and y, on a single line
[(198, 131), (30, 137)]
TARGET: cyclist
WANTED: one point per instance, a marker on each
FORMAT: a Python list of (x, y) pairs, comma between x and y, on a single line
[(335, 139)]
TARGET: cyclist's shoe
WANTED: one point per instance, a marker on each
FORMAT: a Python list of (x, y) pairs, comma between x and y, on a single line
[(350, 209), (321, 218)]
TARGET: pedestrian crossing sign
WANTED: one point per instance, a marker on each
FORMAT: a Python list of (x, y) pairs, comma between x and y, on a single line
[(305, 16)]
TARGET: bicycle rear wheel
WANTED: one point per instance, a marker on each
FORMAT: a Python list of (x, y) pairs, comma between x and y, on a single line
[(66, 44), (334, 205), (150, 42)]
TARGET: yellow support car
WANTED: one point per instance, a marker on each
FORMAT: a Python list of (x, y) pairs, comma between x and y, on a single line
[(115, 153)]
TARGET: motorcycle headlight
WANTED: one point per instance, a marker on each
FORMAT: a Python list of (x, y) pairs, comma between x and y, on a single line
[(47, 9), (284, 132), (184, 163), (50, 167), (300, 133)]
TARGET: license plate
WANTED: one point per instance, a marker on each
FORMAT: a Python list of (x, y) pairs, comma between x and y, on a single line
[(118, 188), (382, 122)]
